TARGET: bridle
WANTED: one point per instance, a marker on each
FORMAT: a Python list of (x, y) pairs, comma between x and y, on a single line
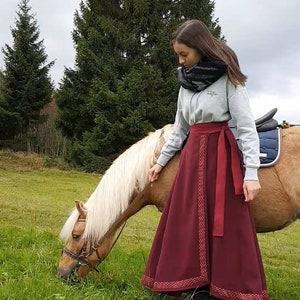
[(82, 257)]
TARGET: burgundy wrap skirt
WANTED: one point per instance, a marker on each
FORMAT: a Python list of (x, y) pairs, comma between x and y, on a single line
[(206, 235)]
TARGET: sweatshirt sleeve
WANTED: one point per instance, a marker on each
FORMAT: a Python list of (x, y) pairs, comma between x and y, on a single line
[(242, 118), (177, 136)]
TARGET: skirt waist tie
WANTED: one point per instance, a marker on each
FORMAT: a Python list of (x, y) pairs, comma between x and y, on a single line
[(225, 134)]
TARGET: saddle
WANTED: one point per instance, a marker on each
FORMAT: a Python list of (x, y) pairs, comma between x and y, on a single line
[(269, 133), (267, 122), (269, 138)]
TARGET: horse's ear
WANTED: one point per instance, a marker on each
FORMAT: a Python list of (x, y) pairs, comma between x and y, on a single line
[(81, 208)]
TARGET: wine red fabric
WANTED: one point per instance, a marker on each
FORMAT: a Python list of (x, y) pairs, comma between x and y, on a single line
[(206, 235)]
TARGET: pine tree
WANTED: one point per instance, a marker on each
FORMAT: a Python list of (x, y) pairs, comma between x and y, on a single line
[(27, 86), (124, 83)]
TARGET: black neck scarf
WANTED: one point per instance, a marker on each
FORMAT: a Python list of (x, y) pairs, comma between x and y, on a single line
[(202, 75)]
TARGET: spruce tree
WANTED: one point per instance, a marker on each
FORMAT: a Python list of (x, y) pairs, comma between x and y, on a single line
[(124, 83), (27, 86), (8, 121)]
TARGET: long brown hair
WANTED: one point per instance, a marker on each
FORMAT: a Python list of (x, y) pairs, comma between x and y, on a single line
[(196, 35)]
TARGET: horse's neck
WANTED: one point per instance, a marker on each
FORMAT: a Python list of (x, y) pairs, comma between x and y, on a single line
[(127, 176)]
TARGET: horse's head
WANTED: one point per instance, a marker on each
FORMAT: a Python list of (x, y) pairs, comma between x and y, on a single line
[(80, 255)]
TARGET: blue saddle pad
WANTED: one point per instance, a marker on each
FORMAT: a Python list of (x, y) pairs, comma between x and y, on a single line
[(269, 147)]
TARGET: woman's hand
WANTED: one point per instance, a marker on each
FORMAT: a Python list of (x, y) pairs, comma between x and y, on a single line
[(251, 189), (154, 172)]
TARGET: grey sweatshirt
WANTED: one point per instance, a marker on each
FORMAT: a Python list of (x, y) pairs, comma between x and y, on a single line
[(221, 101)]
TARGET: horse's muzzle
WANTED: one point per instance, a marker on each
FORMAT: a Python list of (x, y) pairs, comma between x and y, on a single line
[(69, 274)]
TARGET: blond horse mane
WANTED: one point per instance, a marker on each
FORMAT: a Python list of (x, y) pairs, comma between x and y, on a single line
[(127, 175)]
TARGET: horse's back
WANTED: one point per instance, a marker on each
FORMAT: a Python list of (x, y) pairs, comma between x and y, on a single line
[(278, 203)]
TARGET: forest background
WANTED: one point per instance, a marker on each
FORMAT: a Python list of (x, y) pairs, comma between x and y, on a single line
[(123, 85)]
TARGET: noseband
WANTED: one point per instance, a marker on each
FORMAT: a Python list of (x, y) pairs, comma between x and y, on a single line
[(83, 255)]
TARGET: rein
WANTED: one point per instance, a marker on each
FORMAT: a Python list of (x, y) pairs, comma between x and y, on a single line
[(83, 255)]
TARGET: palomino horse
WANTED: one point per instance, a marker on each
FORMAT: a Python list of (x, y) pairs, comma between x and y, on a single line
[(124, 190)]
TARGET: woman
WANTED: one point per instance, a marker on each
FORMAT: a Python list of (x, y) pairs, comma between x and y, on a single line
[(206, 244)]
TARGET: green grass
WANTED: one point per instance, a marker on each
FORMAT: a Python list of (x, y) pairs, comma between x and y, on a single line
[(35, 202)]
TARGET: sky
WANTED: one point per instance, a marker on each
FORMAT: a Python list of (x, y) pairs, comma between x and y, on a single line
[(264, 35)]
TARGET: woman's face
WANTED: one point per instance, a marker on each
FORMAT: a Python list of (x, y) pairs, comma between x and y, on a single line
[(188, 57)]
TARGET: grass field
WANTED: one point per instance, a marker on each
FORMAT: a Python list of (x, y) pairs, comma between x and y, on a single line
[(35, 202)]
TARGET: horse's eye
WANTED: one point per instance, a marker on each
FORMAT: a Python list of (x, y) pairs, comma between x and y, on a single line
[(75, 236)]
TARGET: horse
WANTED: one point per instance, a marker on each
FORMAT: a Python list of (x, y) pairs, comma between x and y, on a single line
[(91, 229)]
